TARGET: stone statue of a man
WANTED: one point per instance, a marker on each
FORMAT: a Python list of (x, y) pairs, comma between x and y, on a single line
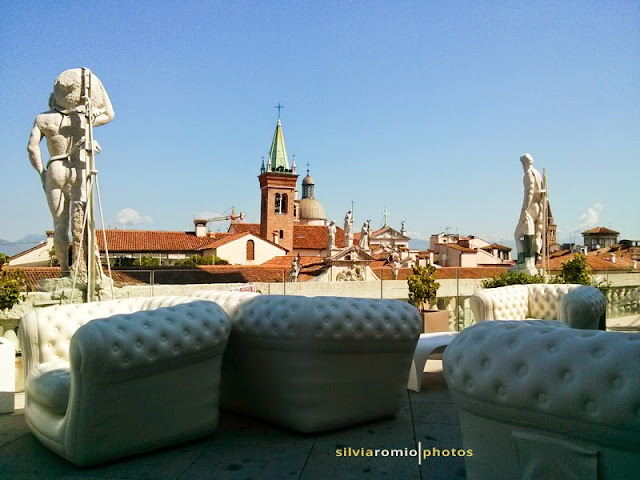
[(530, 225), (364, 235), (331, 228), (348, 223), (64, 175), (295, 269)]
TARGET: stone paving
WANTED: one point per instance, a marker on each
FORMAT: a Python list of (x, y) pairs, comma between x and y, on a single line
[(244, 448)]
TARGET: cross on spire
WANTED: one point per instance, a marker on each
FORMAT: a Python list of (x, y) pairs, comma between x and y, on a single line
[(307, 168), (279, 107), (385, 214)]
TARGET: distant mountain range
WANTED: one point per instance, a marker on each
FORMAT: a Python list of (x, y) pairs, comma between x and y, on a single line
[(16, 246)]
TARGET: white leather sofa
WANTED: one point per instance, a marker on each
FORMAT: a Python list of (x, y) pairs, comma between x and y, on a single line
[(114, 378), (228, 300), (537, 399), (318, 363), (578, 306)]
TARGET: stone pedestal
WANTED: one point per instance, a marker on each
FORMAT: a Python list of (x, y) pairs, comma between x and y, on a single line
[(7, 375), (527, 259)]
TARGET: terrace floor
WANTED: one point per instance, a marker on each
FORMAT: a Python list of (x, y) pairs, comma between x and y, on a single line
[(243, 448)]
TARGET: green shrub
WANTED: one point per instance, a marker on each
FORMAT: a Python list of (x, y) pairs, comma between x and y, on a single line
[(576, 270), (512, 278), (423, 287), (13, 285)]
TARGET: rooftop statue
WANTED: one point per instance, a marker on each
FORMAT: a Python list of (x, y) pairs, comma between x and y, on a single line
[(348, 223), (64, 176), (332, 235), (364, 235), (528, 234), (295, 269)]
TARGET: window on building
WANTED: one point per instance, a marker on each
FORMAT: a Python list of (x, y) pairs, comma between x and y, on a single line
[(284, 206), (251, 250), (278, 204), (281, 233)]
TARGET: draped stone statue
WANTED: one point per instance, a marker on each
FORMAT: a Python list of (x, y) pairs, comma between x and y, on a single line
[(348, 229), (364, 235), (64, 175), (295, 269), (529, 230), (331, 244)]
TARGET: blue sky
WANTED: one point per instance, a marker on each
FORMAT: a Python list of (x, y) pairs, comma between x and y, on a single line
[(422, 108)]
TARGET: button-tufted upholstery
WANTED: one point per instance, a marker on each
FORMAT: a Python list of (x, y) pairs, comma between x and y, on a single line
[(228, 300), (318, 363), (110, 379), (539, 400), (578, 306)]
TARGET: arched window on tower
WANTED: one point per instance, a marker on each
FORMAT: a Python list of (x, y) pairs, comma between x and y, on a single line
[(278, 204), (251, 250), (284, 206)]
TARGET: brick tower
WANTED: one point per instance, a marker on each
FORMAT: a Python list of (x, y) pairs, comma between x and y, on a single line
[(277, 192)]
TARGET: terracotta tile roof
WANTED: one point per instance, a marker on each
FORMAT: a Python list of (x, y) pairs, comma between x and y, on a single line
[(154, 240), (598, 261), (246, 227), (305, 237), (601, 230), (309, 266), (502, 248), (460, 248)]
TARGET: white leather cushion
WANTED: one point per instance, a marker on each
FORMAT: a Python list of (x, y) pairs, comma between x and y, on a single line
[(48, 385), (510, 303), (149, 337), (542, 366), (56, 325), (327, 318), (229, 301), (544, 300)]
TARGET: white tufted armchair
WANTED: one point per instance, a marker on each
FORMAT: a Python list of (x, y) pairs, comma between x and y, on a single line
[(578, 306), (319, 363), (539, 400), (110, 379)]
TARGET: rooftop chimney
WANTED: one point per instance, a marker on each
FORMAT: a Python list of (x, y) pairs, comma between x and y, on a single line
[(200, 227)]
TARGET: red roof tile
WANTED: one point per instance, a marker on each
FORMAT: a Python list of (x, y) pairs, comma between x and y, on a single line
[(601, 230), (154, 240)]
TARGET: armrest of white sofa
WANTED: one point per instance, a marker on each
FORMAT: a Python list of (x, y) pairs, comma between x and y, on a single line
[(584, 307), (148, 339)]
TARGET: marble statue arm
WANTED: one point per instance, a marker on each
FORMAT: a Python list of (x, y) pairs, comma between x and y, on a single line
[(34, 148), (106, 113)]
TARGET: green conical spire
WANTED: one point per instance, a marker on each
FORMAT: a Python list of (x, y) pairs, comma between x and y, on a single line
[(278, 154)]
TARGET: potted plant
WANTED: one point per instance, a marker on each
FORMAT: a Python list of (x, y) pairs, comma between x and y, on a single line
[(423, 289)]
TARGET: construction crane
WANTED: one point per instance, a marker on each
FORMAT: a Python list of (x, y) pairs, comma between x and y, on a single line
[(232, 216)]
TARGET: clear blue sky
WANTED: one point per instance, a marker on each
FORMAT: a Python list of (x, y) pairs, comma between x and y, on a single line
[(423, 108)]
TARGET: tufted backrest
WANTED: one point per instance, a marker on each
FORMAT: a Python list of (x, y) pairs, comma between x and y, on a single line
[(544, 299), (131, 340), (544, 368), (327, 318), (510, 302), (46, 332), (229, 301)]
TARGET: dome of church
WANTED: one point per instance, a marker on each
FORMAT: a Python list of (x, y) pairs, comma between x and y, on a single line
[(308, 180), (311, 209)]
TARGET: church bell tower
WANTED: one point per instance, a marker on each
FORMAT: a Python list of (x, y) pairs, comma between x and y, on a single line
[(277, 190)]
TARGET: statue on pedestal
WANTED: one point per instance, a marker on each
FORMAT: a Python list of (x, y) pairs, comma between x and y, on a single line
[(364, 235), (64, 176), (331, 244), (295, 269), (348, 229), (530, 227)]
